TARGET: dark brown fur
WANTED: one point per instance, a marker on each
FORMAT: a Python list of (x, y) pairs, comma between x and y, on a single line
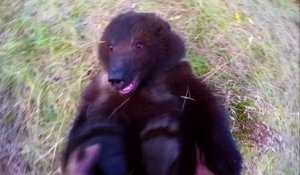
[(166, 84)]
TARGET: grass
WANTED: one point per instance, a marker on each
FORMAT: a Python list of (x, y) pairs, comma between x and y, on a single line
[(249, 50), (199, 64)]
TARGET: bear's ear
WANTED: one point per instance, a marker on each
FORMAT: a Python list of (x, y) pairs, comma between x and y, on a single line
[(176, 47), (171, 49), (163, 27)]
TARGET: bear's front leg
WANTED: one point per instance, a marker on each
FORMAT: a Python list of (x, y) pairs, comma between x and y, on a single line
[(161, 145)]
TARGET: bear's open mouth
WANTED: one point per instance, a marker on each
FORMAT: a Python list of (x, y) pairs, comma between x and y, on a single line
[(130, 87)]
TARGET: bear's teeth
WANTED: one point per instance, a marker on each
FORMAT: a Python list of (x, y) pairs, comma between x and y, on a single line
[(127, 88)]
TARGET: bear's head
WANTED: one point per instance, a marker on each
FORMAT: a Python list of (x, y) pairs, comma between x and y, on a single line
[(136, 47)]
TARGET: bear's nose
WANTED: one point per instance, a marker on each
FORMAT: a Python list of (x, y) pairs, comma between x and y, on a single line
[(117, 83)]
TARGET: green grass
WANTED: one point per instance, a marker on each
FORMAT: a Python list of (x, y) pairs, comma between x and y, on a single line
[(40, 61), (208, 19), (148, 6), (199, 64), (248, 50), (241, 109)]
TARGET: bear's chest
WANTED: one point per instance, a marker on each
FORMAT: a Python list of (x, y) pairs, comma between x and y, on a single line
[(152, 102)]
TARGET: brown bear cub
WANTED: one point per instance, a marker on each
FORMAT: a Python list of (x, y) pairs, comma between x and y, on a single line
[(146, 111)]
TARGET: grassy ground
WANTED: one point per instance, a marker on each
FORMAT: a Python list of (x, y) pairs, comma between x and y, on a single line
[(249, 50)]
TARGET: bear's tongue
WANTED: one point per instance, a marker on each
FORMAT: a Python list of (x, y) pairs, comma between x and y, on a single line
[(128, 88)]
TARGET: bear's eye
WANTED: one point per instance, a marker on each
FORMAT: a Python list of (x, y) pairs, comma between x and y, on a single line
[(138, 45), (110, 47)]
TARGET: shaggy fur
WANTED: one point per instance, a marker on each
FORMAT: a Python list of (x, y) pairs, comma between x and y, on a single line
[(144, 80)]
